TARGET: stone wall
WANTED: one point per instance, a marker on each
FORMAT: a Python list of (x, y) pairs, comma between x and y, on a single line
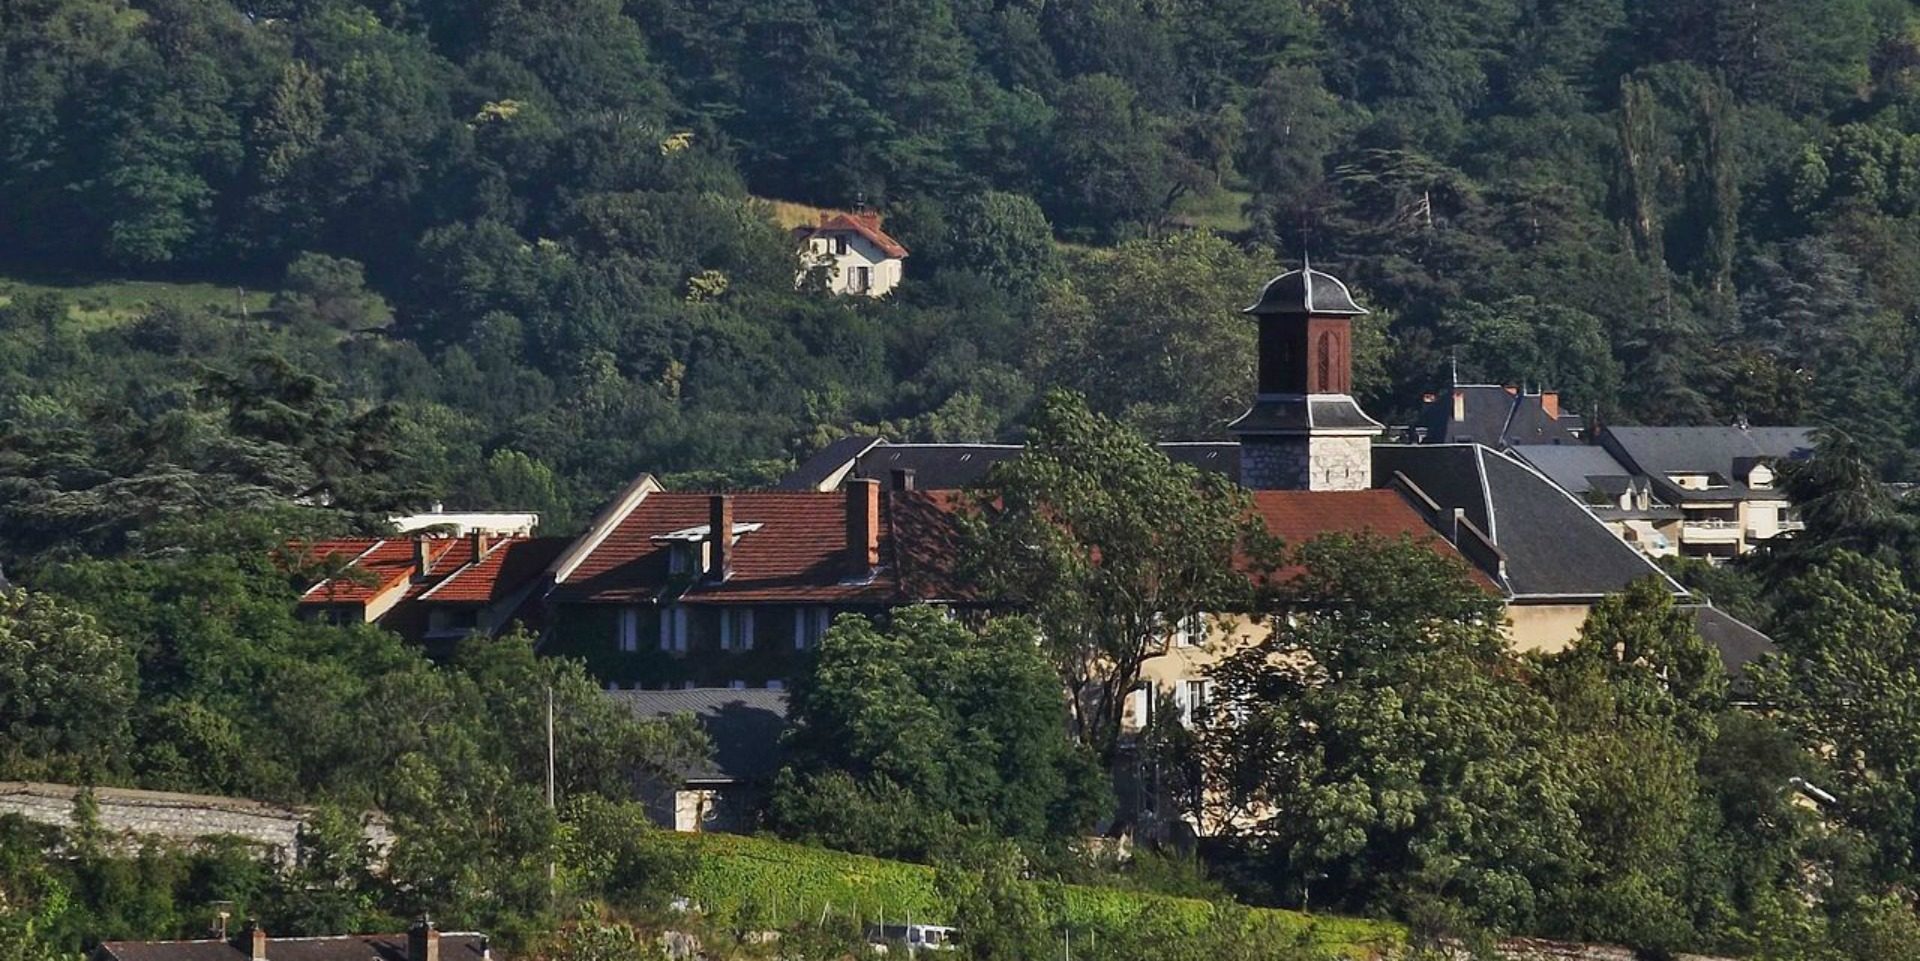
[(130, 815), (1306, 462)]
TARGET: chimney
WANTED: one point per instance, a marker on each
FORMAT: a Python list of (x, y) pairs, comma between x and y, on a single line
[(423, 941), (1550, 402), (422, 558), (486, 948), (1459, 405), (1459, 515), (481, 541), (257, 938), (1428, 397), (863, 526), (1512, 389), (719, 537), (903, 479)]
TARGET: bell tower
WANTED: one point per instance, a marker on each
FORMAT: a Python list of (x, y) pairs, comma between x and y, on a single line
[(1304, 430)]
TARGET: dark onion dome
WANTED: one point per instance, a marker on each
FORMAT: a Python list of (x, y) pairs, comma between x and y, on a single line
[(1306, 291)]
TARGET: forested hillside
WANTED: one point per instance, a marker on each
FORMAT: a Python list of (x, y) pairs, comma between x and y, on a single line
[(520, 251)]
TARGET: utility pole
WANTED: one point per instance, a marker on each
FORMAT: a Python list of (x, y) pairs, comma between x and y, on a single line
[(551, 890), (550, 805)]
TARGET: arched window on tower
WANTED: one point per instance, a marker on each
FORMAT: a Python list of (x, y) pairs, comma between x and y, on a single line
[(1325, 383)]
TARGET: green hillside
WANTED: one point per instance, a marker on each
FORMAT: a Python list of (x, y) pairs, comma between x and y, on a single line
[(94, 303), (776, 882)]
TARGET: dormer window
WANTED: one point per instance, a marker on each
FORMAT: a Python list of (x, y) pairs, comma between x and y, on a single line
[(690, 551)]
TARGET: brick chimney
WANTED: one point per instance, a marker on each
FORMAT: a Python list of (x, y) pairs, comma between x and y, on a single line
[(1550, 402), (481, 541), (256, 941), (719, 537), (903, 479), (422, 558), (863, 526), (423, 941)]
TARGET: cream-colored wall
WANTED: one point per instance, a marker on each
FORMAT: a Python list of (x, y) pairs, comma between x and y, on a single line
[(1530, 627), (1544, 627), (885, 271)]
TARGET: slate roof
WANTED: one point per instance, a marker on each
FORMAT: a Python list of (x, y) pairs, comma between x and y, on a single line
[(1306, 291), (1553, 546), (744, 726), (1292, 415), (1577, 468), (461, 946), (1494, 416), (796, 554), (1657, 452), (957, 466), (818, 469), (1739, 643)]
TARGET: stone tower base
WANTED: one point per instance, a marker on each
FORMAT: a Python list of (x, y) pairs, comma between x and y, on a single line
[(1306, 462)]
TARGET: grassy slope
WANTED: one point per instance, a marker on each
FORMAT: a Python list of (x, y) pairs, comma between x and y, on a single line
[(781, 882), (94, 303)]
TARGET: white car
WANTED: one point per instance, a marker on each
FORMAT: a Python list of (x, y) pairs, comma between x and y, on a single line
[(917, 937)]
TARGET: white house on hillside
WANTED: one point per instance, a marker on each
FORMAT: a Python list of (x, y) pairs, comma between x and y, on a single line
[(863, 259)]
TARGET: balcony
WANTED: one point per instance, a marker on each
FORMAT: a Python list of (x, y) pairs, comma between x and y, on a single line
[(1711, 531)]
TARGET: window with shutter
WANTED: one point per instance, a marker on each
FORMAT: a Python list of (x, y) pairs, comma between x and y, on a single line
[(679, 629), (1195, 702), (726, 629), (666, 628), (629, 629)]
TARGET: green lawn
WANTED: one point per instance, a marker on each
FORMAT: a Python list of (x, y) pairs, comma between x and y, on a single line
[(778, 883), (1222, 210), (94, 303)]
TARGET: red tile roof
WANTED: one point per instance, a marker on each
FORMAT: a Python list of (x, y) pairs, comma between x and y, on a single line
[(1300, 516), (375, 565), (796, 553), (865, 224), (379, 564), (506, 567)]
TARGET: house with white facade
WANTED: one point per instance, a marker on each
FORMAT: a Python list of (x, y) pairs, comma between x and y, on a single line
[(859, 257)]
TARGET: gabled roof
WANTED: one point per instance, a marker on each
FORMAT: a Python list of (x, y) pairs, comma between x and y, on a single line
[(1495, 416), (462, 946), (456, 571), (1553, 546), (744, 727), (1659, 452), (865, 224), (376, 565), (507, 567), (797, 554)]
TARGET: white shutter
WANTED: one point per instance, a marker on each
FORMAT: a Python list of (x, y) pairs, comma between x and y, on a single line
[(799, 628), (726, 629), (666, 628), (1180, 703), (746, 630), (1137, 701)]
